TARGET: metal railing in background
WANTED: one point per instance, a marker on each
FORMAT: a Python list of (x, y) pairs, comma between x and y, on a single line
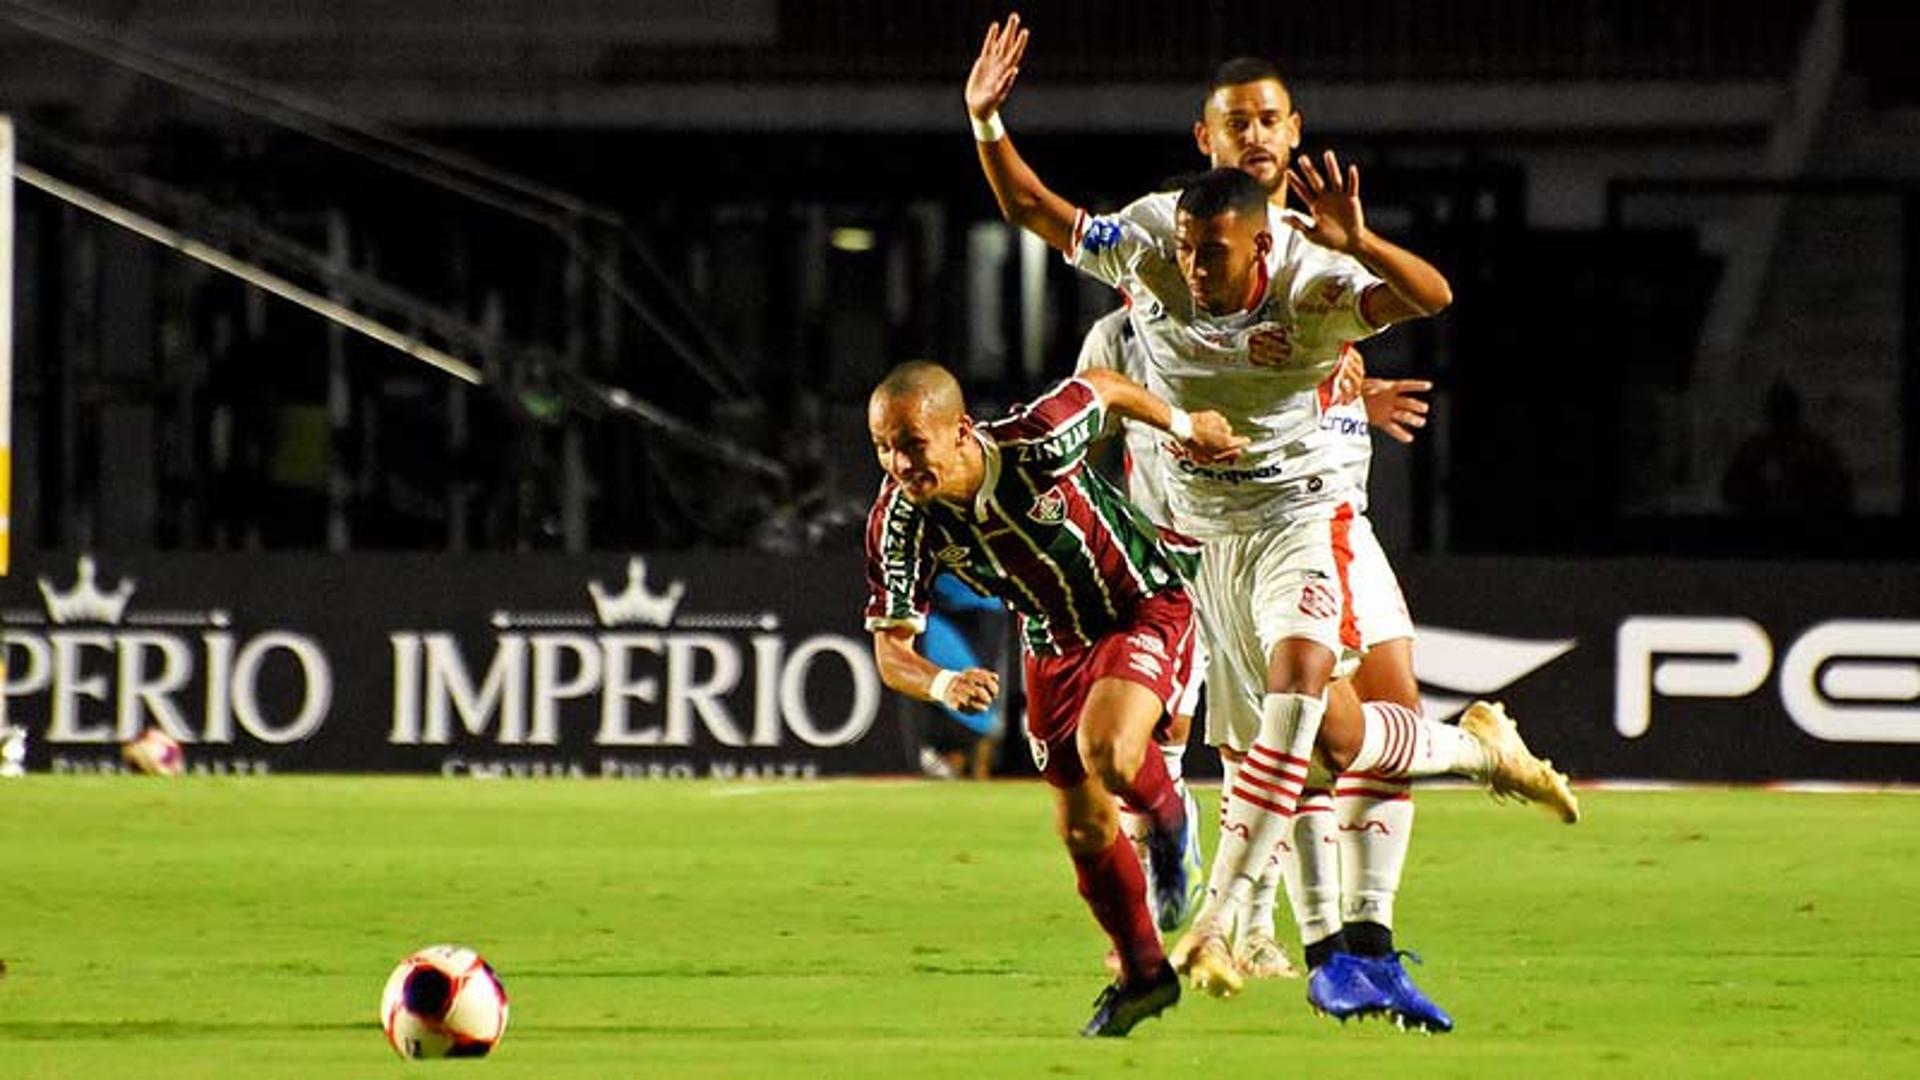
[(585, 365)]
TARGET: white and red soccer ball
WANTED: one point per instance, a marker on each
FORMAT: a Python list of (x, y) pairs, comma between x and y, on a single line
[(443, 1001), (155, 753)]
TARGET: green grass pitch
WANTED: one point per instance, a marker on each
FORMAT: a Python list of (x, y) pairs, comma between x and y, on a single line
[(214, 927)]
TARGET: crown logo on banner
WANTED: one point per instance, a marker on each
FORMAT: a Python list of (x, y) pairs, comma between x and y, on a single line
[(636, 604), (86, 603)]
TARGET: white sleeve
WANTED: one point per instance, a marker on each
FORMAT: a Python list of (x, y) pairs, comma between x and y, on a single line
[(1103, 344), (1153, 213), (1326, 298), (1106, 246), (1105, 348)]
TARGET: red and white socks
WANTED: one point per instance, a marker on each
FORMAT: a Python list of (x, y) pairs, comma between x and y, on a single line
[(1375, 819), (1398, 743), (1260, 805), (1312, 874)]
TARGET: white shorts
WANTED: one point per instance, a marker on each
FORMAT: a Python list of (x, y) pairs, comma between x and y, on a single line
[(1327, 581), (1379, 608)]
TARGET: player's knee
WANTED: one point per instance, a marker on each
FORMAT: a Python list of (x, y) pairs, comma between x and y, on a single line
[(1337, 754), (1294, 680), (1114, 758), (1178, 730), (1299, 666), (1087, 837)]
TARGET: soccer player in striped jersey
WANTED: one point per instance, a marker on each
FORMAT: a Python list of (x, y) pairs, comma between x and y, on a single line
[(1244, 308), (1108, 347), (1010, 508)]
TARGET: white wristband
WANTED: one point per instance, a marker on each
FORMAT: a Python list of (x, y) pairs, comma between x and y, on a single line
[(942, 680), (1180, 425), (990, 129)]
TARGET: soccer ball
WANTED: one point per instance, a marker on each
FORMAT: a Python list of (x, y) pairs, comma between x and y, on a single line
[(441, 1002), (155, 753)]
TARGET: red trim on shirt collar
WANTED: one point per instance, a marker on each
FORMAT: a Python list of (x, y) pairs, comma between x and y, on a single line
[(1261, 279)]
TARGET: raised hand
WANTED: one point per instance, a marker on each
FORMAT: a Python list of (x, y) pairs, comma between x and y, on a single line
[(991, 80), (1333, 201), (1392, 408)]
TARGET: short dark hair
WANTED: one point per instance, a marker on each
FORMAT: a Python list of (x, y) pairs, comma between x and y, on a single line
[(1218, 191), (1245, 69)]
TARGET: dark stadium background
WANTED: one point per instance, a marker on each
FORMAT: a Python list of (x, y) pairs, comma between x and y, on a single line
[(680, 242)]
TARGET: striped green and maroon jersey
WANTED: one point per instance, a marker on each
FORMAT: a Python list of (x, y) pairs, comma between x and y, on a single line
[(1056, 542)]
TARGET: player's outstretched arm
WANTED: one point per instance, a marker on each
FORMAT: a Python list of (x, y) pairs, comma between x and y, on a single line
[(1024, 200), (1415, 287), (1207, 435), (904, 670)]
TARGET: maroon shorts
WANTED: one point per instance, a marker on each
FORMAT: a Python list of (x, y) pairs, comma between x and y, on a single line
[(1155, 650)]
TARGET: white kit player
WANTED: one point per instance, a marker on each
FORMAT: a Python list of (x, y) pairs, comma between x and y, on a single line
[(1332, 890), (1349, 841), (1244, 308), (1343, 859), (1349, 845)]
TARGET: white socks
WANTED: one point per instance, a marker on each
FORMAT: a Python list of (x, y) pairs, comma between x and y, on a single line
[(1260, 803), (1341, 856), (1375, 826), (1312, 872), (1400, 743)]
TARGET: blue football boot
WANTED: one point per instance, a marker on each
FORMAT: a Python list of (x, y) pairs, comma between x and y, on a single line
[(1196, 866), (1410, 1008), (1341, 989), (1176, 880)]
